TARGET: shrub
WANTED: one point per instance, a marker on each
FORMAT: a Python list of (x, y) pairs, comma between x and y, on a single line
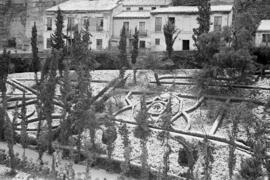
[(107, 60), (262, 54), (251, 169)]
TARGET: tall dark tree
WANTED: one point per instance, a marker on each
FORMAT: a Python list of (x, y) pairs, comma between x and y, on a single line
[(84, 63), (48, 93), (171, 34), (125, 166), (10, 137), (135, 52), (35, 60), (204, 10), (23, 116), (123, 52), (4, 64), (143, 132), (58, 38), (135, 46)]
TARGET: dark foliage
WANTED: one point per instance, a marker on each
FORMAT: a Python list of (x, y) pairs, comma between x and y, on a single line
[(263, 55), (58, 39), (135, 45), (203, 19), (171, 34), (251, 168), (4, 64), (35, 60), (123, 48), (185, 2), (107, 60)]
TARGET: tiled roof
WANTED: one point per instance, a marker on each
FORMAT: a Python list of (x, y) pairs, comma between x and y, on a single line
[(191, 9), (146, 2), (264, 25), (86, 5), (132, 14)]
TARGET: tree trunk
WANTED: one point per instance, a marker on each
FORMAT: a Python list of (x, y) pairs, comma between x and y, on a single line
[(157, 79), (134, 76)]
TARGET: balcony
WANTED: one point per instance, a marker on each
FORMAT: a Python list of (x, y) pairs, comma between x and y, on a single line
[(142, 33), (72, 27), (99, 28)]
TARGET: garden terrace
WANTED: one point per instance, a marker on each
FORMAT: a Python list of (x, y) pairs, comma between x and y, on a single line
[(195, 116)]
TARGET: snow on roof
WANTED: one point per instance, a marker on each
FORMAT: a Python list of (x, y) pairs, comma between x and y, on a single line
[(86, 5), (132, 14), (191, 9), (264, 25), (146, 2)]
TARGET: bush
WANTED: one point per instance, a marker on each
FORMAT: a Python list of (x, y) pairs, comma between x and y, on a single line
[(107, 60), (251, 169), (262, 54)]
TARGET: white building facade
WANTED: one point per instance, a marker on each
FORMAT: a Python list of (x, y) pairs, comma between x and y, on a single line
[(99, 14), (185, 20), (136, 14), (108, 17), (262, 37)]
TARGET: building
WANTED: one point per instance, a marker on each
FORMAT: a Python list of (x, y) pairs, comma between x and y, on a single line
[(99, 14), (185, 20), (263, 34), (136, 14), (17, 18)]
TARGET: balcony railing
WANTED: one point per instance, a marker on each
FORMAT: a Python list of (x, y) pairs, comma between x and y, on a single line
[(142, 33)]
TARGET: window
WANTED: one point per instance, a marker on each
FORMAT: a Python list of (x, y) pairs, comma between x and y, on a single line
[(158, 24), (128, 9), (266, 38), (217, 23), (70, 24), (153, 8), (185, 45), (100, 24), (49, 43), (99, 44), (126, 25), (157, 41), (142, 30), (85, 22), (140, 8), (172, 20), (49, 23), (142, 44)]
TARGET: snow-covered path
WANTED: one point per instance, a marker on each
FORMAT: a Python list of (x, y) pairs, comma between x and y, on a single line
[(31, 154)]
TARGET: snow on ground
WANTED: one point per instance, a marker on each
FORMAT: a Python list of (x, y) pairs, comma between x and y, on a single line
[(200, 120), (79, 169)]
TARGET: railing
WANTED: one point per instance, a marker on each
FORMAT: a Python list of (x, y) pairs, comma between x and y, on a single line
[(142, 33)]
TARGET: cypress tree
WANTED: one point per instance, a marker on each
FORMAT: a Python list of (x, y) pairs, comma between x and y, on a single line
[(204, 8), (123, 52), (125, 166), (143, 132), (135, 44), (10, 136), (57, 39), (23, 116), (135, 52), (48, 93), (4, 64), (35, 60)]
